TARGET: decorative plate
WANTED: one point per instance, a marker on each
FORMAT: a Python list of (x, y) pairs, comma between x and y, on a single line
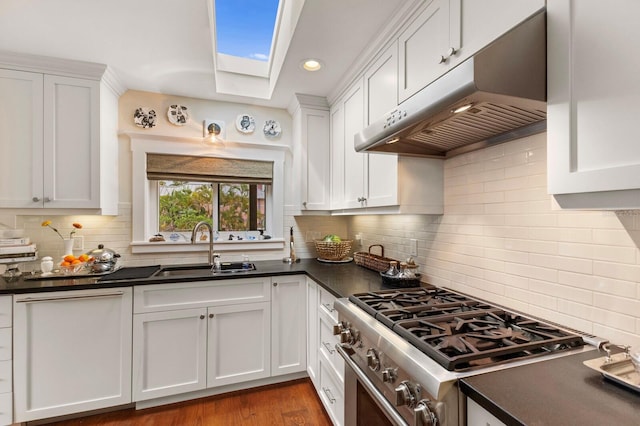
[(271, 129), (145, 117), (245, 123), (178, 115)]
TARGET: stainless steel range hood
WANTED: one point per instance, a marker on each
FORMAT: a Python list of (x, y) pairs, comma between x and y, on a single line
[(504, 84)]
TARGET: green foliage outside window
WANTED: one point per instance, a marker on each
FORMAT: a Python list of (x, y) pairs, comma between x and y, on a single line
[(183, 204)]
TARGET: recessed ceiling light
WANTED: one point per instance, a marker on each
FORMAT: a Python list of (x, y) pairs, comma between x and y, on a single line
[(311, 64)]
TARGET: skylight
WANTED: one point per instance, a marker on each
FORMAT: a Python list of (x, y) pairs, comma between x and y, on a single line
[(244, 28), (251, 39)]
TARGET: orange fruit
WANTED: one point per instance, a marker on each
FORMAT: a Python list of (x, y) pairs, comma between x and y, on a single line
[(83, 257), (69, 258), (65, 263), (75, 261)]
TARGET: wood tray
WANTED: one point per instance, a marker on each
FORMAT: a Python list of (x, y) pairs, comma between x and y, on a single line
[(374, 262)]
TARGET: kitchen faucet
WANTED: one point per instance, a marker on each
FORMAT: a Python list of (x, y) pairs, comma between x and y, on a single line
[(212, 255)]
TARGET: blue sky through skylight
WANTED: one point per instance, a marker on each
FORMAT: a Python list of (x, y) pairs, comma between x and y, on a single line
[(244, 28)]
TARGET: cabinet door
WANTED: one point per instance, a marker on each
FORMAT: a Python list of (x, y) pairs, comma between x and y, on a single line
[(21, 139), (355, 163), (316, 161), (337, 156), (313, 332), (169, 353), (592, 99), (381, 96), (425, 46), (71, 142), (288, 325), (72, 352), (238, 343)]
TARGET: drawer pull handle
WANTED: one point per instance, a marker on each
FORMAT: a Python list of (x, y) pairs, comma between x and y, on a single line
[(328, 347), (49, 299), (329, 307), (330, 396)]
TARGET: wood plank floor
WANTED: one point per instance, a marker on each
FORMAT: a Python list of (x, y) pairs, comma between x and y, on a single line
[(292, 403)]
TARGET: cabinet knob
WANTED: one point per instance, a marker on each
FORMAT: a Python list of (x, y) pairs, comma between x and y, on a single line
[(304, 204), (275, 284), (201, 316), (452, 51), (35, 199), (47, 199), (211, 315), (442, 60)]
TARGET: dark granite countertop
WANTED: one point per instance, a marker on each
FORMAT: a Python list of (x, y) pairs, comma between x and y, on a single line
[(341, 279), (561, 391)]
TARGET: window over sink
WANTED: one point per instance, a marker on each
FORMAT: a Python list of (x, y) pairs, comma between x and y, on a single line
[(176, 182)]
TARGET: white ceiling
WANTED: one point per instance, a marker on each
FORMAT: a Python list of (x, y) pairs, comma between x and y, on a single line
[(164, 46)]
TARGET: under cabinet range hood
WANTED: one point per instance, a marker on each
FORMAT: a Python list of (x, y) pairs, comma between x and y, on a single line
[(499, 94)]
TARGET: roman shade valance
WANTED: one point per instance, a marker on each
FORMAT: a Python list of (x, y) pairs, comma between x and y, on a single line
[(208, 169)]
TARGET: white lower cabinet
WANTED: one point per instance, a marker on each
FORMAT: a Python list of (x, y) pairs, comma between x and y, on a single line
[(173, 338), (478, 416), (6, 365), (239, 343), (196, 335), (288, 326), (72, 352), (324, 361)]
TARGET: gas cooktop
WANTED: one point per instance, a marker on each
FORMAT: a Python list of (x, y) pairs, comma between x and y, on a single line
[(462, 333)]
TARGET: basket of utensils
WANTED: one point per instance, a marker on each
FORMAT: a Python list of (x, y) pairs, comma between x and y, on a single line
[(372, 261), (333, 250)]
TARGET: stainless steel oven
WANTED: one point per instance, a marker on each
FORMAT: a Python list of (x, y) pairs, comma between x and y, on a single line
[(406, 349)]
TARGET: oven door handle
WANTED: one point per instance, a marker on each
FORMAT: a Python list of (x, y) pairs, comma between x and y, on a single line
[(385, 405)]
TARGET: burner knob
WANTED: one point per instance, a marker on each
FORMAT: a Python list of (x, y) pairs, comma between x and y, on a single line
[(373, 362), (337, 328), (345, 336), (389, 375), (423, 414), (404, 395)]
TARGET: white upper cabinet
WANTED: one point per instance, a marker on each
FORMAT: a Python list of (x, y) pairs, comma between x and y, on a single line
[(21, 142), (378, 183), (593, 92), (60, 151), (311, 153), (426, 46), (446, 32)]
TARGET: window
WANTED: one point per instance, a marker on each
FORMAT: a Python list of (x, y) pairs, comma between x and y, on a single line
[(232, 207), (159, 158)]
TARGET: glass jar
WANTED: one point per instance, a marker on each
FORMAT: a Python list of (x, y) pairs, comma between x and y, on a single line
[(393, 269)]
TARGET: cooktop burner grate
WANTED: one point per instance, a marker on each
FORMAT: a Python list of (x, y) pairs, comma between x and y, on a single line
[(462, 333)]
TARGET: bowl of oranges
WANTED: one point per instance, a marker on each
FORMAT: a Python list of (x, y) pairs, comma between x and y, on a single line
[(71, 264)]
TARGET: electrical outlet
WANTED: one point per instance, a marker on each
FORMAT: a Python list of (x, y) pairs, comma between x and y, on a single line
[(413, 247), (358, 238), (78, 242)]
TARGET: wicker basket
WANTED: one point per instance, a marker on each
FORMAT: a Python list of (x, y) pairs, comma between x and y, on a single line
[(331, 250), (373, 261)]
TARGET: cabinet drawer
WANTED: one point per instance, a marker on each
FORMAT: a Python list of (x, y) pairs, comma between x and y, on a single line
[(6, 377), (5, 344), (331, 393), (326, 303), (6, 409), (199, 294), (6, 304), (327, 345)]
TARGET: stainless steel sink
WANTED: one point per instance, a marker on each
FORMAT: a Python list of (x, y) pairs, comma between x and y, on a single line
[(205, 269)]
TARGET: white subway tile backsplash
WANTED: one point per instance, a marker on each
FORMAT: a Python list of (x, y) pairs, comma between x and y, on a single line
[(578, 268)]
